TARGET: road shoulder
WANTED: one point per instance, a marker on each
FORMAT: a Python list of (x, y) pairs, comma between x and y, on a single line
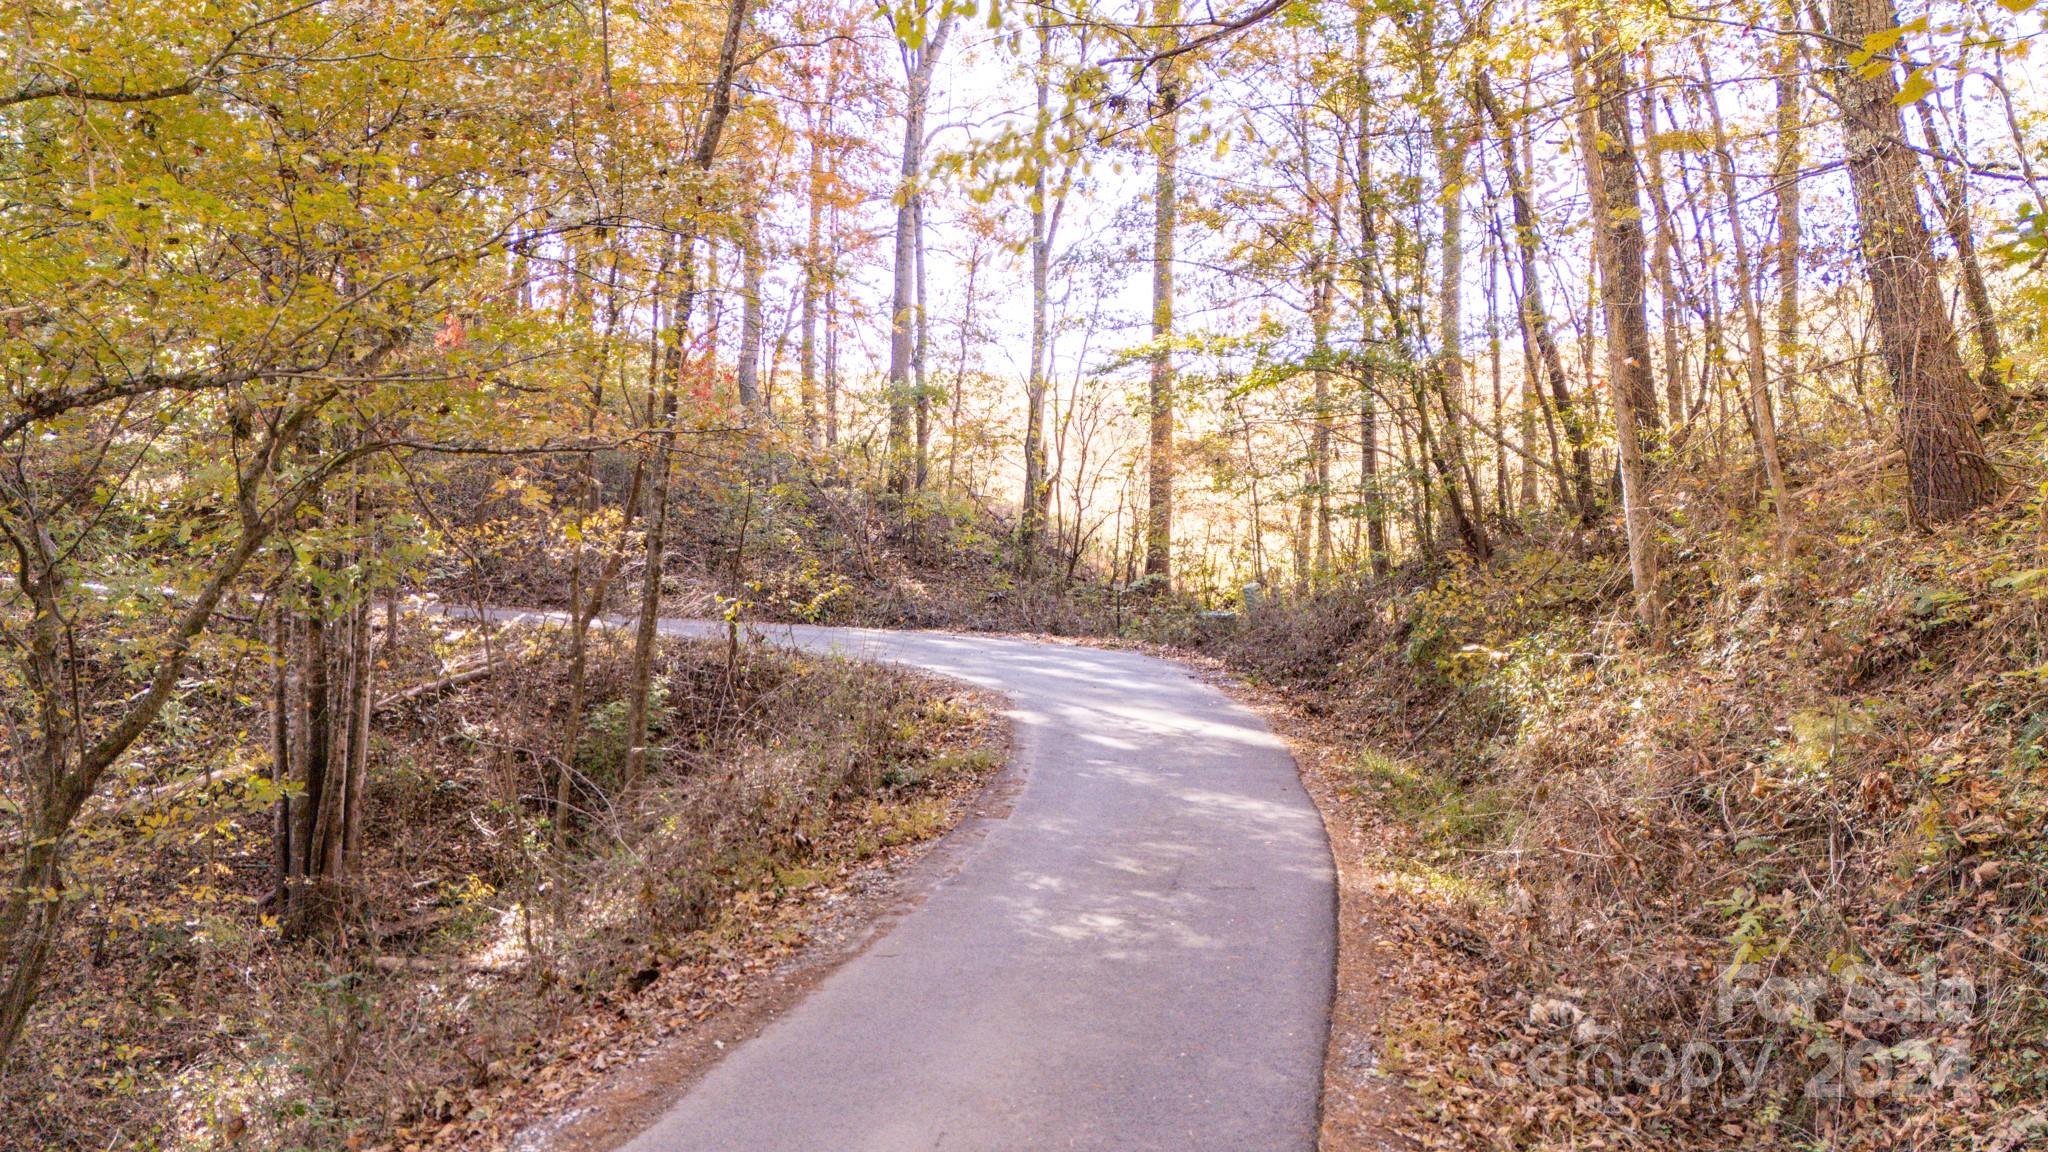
[(604, 1095)]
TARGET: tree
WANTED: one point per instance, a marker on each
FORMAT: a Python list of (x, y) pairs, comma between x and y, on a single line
[(921, 49), (1948, 475), (1165, 141), (1763, 420), (703, 155), (1548, 363), (186, 383), (1047, 201), (748, 375), (1608, 152)]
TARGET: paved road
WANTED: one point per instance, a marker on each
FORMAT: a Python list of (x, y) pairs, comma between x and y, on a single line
[(1139, 957)]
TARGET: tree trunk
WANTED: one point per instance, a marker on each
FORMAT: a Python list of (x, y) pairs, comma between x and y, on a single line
[(918, 358), (1609, 135), (919, 63), (814, 275), (1549, 362), (1030, 504), (1369, 492), (1618, 251), (831, 366), (1763, 421), (1952, 201), (1500, 439), (1323, 293), (647, 623), (314, 751), (1447, 447), (748, 371), (1670, 309), (280, 748), (1785, 176), (1948, 475), (647, 618), (1160, 388)]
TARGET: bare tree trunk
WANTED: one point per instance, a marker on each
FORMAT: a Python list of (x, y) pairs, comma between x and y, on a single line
[(1670, 309), (814, 267), (831, 365), (315, 745), (1030, 506), (1324, 429), (1447, 447), (349, 840), (1160, 389), (1762, 420), (1549, 362), (748, 371), (1606, 129), (1369, 492), (1952, 202), (647, 618), (1618, 251), (281, 746), (1785, 176), (918, 358), (1948, 474), (919, 64), (1369, 475), (647, 623), (1528, 399), (954, 435), (1500, 439)]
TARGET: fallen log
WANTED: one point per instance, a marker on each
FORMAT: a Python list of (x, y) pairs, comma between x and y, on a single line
[(452, 680)]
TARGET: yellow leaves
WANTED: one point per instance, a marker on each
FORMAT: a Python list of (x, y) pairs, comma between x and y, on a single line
[(1680, 140), (1917, 87)]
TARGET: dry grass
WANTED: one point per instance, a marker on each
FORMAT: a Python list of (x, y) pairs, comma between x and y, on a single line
[(478, 960), (1838, 765)]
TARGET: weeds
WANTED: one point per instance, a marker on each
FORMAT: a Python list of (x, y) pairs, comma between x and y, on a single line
[(475, 947)]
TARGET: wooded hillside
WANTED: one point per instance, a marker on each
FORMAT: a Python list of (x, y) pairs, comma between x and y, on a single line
[(1613, 431)]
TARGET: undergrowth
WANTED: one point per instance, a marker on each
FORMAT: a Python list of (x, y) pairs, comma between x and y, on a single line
[(1802, 846), (480, 936)]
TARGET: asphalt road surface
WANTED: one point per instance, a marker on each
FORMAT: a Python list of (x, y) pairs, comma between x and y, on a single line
[(1140, 956)]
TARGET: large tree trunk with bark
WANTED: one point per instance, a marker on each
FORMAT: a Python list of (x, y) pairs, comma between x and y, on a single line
[(1947, 473)]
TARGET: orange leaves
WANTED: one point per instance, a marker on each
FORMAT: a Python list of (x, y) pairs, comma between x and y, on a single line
[(453, 335)]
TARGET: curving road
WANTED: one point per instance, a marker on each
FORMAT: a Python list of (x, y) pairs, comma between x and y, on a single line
[(1139, 957)]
